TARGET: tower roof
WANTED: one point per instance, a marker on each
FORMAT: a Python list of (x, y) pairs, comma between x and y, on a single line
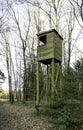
[(49, 31)]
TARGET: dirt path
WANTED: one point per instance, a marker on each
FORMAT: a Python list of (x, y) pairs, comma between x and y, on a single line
[(21, 118), (6, 117)]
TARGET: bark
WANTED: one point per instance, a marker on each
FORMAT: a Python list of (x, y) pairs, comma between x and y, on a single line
[(24, 47), (9, 67)]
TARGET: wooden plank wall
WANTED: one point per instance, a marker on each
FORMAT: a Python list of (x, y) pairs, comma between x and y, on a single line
[(44, 52), (57, 47), (52, 48)]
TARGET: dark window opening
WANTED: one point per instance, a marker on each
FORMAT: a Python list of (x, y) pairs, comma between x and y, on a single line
[(42, 39)]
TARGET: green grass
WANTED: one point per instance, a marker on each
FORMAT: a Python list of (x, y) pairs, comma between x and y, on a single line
[(3, 99)]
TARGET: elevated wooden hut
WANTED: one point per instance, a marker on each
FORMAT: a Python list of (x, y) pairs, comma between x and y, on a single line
[(49, 52), (50, 47)]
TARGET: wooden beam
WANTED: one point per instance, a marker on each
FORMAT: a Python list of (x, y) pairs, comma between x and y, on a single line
[(37, 86), (47, 90), (52, 91)]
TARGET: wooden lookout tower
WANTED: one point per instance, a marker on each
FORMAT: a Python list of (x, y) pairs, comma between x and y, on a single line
[(49, 52)]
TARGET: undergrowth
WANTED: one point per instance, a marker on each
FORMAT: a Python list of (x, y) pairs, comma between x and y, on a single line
[(65, 115)]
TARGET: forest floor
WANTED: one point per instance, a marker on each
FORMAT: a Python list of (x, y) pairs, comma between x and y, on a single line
[(20, 117)]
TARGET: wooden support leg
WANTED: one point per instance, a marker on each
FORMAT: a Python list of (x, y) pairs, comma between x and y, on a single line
[(37, 89), (60, 79), (52, 91), (47, 86)]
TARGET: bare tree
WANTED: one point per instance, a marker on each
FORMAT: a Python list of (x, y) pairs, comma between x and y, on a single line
[(3, 17), (70, 25), (9, 64), (23, 36), (78, 10)]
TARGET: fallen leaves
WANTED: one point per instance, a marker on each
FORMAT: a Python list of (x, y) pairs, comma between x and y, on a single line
[(21, 118)]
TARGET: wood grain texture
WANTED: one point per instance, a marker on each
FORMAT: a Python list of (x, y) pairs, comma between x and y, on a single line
[(52, 48)]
